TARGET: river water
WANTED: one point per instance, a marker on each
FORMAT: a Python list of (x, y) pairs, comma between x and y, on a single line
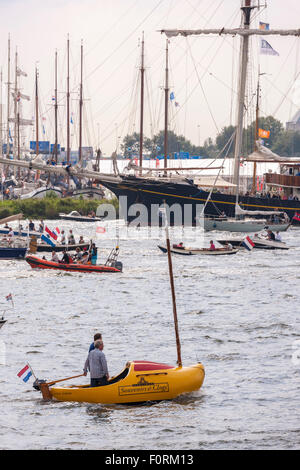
[(237, 315)]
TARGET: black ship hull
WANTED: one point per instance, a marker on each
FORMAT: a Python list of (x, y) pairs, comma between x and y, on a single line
[(133, 193)]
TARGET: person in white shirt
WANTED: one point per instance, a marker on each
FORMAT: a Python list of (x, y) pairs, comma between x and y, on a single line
[(278, 237), (55, 257)]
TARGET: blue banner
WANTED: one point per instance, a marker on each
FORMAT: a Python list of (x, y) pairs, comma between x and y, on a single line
[(47, 240)]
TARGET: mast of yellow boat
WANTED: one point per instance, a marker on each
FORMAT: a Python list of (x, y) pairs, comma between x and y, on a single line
[(179, 361)]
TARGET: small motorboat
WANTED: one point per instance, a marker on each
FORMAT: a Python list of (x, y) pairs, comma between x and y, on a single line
[(198, 251), (2, 322), (260, 243), (76, 216), (139, 381), (36, 262)]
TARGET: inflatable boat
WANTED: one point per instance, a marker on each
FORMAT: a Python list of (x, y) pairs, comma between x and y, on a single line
[(36, 262)]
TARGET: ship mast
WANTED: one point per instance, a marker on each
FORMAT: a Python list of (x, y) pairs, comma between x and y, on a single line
[(8, 98), (142, 70), (256, 135), (166, 109), (55, 110), (68, 101), (36, 112), (246, 9), (16, 106), (1, 106), (80, 106)]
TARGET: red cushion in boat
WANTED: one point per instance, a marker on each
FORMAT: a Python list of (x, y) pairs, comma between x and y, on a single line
[(146, 365)]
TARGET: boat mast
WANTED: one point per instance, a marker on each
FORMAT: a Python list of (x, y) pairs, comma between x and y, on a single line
[(55, 109), (68, 102), (80, 106), (142, 70), (1, 106), (246, 9), (256, 135), (178, 346), (8, 98), (16, 106), (166, 109), (36, 113)]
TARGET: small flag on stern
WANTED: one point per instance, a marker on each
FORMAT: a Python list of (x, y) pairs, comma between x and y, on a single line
[(8, 297), (297, 216), (25, 373), (248, 243)]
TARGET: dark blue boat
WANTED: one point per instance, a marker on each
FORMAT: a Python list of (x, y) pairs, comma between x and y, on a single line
[(12, 253)]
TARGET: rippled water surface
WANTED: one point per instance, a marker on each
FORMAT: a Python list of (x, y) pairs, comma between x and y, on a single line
[(237, 314)]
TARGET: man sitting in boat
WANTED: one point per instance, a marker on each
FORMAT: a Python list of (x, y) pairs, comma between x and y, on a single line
[(97, 365), (85, 258), (78, 254), (212, 245), (271, 235), (66, 259), (179, 245), (81, 240), (55, 257)]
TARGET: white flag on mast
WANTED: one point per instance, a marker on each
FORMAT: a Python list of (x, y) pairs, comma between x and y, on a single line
[(266, 48), (20, 72)]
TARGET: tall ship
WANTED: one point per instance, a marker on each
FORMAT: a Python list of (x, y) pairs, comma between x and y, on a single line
[(187, 196)]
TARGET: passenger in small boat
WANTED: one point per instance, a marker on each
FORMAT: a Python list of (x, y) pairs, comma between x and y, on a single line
[(41, 226), (85, 258), (278, 237), (81, 240), (96, 337), (66, 259), (228, 246), (179, 245), (94, 254), (97, 365), (55, 257), (212, 245), (271, 235), (78, 254)]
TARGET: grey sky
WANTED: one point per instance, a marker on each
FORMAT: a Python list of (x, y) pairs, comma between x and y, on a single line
[(111, 30)]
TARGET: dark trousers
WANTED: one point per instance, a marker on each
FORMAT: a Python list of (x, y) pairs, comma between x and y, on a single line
[(98, 382)]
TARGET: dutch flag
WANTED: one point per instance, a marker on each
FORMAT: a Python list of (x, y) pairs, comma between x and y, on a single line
[(248, 243), (25, 373)]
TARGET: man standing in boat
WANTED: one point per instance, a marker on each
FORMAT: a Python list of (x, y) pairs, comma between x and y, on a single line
[(97, 365)]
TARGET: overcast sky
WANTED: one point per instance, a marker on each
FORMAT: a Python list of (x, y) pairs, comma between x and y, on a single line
[(202, 70)]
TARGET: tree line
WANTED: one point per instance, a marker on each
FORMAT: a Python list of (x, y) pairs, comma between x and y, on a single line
[(281, 141)]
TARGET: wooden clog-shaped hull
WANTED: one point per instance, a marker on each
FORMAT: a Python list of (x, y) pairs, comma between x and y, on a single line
[(140, 381)]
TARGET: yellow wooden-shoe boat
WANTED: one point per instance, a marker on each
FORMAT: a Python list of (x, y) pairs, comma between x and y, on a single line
[(139, 381)]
